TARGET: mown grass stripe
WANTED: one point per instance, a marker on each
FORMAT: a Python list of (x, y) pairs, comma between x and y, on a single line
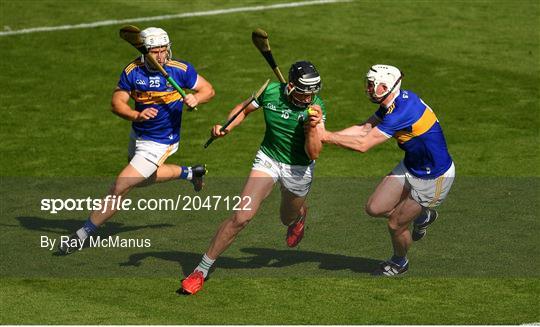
[(165, 17)]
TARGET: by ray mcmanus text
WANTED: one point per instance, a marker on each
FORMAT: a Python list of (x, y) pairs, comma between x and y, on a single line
[(94, 242)]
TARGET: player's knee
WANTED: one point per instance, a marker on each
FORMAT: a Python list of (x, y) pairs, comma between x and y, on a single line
[(242, 218), (375, 210), (396, 227), (120, 187)]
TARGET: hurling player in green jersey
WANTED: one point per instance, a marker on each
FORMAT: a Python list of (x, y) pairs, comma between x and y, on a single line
[(294, 116)]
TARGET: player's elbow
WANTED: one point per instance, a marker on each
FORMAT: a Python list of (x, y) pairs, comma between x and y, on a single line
[(209, 92), (361, 149), (313, 152), (313, 155), (116, 104), (114, 107)]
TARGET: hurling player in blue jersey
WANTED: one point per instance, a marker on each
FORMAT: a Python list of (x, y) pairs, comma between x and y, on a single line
[(421, 181), (156, 121)]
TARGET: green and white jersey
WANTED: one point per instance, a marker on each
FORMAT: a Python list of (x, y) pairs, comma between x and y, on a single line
[(284, 137)]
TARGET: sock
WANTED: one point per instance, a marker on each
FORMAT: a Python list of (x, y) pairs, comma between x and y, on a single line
[(186, 173), (423, 217), (205, 265), (300, 217), (401, 261), (295, 220), (88, 229)]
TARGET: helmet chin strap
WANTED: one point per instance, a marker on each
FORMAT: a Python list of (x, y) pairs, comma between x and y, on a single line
[(298, 103), (289, 90)]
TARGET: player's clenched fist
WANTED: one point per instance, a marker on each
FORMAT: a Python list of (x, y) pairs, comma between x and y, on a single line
[(314, 115), (217, 132), (191, 100)]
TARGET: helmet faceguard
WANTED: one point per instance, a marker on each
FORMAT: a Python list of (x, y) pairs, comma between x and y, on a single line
[(386, 75), (153, 37), (304, 80)]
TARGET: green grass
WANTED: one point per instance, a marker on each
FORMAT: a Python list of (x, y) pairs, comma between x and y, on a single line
[(328, 273), (275, 300), (474, 62)]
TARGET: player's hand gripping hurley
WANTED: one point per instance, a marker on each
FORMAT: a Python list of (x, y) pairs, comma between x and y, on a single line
[(132, 35), (246, 104)]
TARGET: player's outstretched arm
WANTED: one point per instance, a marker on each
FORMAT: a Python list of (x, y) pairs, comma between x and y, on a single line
[(361, 129), (216, 129), (356, 142)]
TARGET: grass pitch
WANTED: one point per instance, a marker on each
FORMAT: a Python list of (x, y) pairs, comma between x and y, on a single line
[(475, 63)]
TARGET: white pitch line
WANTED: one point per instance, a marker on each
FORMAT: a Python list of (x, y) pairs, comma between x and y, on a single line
[(164, 17)]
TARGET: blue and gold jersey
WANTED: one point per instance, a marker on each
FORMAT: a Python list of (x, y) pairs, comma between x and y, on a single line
[(151, 89), (418, 132)]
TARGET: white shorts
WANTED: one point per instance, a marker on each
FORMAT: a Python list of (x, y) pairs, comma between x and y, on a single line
[(295, 178), (146, 156), (427, 192)]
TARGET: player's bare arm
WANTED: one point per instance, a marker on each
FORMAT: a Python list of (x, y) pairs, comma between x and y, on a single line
[(216, 129), (203, 93), (312, 128), (120, 106), (361, 129), (355, 142)]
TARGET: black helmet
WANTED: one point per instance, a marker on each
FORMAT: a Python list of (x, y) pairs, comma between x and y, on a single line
[(303, 79)]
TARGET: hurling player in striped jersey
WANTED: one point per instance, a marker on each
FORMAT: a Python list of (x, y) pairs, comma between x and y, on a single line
[(156, 122), (421, 181)]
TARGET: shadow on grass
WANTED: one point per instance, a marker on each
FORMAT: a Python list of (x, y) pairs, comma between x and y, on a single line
[(68, 226), (262, 258)]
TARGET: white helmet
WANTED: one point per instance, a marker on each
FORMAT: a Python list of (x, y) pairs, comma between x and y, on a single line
[(383, 74), (154, 37)]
